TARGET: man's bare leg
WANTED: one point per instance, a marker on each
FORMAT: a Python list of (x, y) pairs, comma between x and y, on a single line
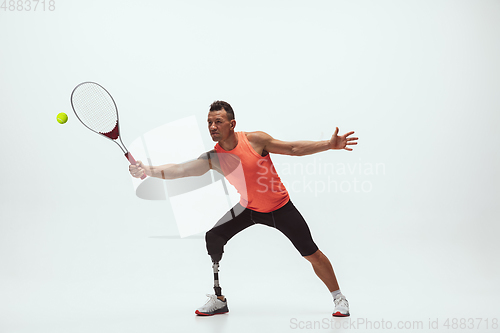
[(323, 269)]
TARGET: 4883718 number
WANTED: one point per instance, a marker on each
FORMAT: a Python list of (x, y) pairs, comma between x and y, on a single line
[(28, 5), (471, 323)]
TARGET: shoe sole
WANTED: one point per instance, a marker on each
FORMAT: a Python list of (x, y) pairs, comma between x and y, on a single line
[(208, 314), (338, 314)]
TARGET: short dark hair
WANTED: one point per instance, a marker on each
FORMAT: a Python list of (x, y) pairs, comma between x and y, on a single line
[(219, 105)]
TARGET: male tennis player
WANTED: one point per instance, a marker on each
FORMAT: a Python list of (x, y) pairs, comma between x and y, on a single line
[(264, 199)]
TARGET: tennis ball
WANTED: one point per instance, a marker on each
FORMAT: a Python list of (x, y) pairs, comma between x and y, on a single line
[(62, 118)]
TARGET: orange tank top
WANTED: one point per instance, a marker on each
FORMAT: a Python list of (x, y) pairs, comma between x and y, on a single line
[(253, 176)]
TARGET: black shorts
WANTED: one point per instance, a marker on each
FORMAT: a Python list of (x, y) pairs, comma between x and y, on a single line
[(286, 219)]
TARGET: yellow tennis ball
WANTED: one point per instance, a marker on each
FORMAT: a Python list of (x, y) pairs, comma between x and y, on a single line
[(62, 118)]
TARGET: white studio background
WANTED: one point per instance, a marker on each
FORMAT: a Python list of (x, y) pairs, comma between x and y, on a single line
[(417, 80)]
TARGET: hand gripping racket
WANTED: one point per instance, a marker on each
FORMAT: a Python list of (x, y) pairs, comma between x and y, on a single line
[(96, 109)]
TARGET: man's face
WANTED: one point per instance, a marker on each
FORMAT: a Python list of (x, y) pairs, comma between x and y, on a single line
[(219, 126)]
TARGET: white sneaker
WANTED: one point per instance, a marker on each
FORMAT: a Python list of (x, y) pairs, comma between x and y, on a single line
[(341, 306), (213, 306)]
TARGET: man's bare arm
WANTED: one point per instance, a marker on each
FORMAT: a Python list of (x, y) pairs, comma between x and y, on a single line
[(196, 167), (301, 148)]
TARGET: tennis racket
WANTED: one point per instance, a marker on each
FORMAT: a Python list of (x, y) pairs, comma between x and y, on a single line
[(96, 109)]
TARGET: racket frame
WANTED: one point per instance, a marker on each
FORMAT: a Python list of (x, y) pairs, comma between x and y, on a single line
[(124, 149)]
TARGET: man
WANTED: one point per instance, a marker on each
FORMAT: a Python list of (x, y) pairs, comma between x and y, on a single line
[(243, 158)]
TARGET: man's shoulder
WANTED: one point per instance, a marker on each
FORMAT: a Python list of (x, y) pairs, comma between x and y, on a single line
[(207, 155), (212, 158), (257, 136)]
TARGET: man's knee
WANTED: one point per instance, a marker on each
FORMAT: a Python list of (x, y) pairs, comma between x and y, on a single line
[(215, 245), (315, 257)]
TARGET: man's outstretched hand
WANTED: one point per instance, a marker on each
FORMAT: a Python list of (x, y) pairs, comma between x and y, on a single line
[(342, 141)]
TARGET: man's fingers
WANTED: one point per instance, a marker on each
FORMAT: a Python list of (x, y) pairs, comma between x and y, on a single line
[(136, 171), (350, 133), (336, 131), (350, 139), (352, 143)]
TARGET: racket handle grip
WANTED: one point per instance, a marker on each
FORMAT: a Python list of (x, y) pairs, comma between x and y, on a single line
[(132, 160)]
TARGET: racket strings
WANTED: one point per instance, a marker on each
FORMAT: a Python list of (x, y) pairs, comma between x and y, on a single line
[(95, 107)]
